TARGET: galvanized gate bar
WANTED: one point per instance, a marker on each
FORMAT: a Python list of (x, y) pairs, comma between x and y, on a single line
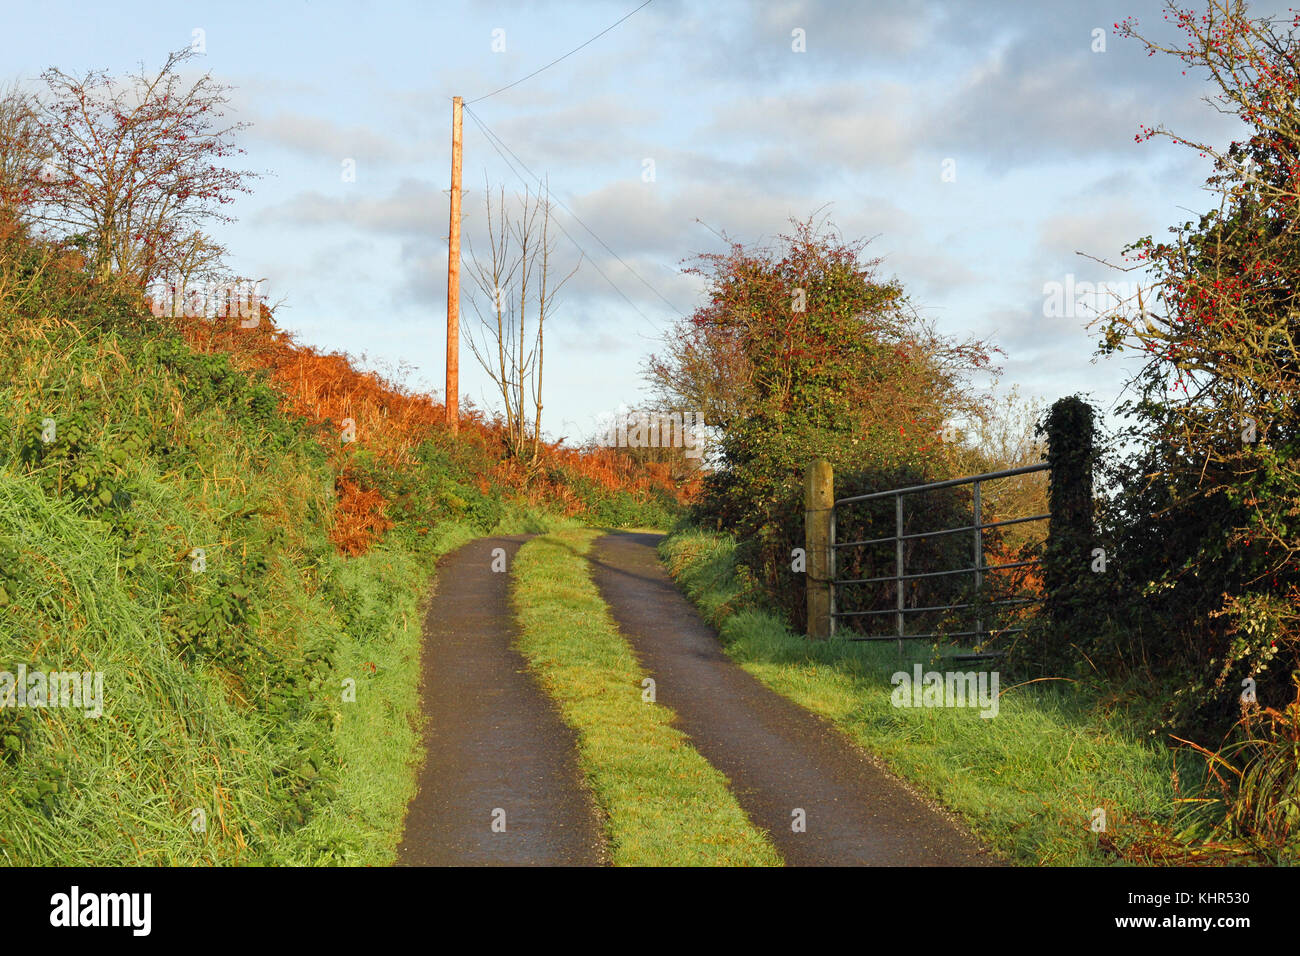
[(950, 483), (934, 634), (830, 575), (937, 574), (936, 534), (898, 584), (979, 549), (940, 607)]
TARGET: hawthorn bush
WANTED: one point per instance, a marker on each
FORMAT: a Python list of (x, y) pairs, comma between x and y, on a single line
[(801, 352), (1207, 528)]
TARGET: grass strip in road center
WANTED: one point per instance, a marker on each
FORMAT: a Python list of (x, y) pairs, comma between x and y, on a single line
[(664, 804)]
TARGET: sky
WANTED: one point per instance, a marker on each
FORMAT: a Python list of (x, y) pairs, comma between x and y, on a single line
[(980, 146)]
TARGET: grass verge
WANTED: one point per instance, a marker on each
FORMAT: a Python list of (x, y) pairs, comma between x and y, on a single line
[(1028, 781), (664, 804)]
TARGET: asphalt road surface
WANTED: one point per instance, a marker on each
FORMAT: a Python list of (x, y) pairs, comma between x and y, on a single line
[(500, 784)]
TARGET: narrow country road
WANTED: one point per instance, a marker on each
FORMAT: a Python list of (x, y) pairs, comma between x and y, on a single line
[(779, 757), (500, 784)]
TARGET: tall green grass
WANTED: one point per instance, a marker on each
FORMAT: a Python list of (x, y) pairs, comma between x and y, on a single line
[(175, 737)]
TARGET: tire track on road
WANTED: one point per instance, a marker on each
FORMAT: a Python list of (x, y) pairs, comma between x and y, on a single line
[(494, 740)]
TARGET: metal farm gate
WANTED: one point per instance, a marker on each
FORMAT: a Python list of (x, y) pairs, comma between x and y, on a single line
[(900, 577)]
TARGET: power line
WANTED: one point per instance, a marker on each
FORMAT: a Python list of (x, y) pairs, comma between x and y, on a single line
[(559, 225), (560, 202), (565, 57)]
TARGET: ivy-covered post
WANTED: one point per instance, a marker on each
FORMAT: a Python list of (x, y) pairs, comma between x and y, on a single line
[(819, 502), (1068, 555)]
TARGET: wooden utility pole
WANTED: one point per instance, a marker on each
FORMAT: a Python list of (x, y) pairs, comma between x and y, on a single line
[(453, 276)]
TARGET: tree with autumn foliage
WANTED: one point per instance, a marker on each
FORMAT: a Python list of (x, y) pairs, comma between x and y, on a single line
[(802, 352), (132, 170), (1206, 531), (22, 153)]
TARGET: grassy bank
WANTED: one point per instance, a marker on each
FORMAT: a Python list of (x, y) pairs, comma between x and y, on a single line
[(208, 546), (226, 734), (1028, 781), (664, 804)]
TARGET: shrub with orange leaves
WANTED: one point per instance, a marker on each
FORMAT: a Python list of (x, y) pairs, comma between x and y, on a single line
[(359, 517)]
